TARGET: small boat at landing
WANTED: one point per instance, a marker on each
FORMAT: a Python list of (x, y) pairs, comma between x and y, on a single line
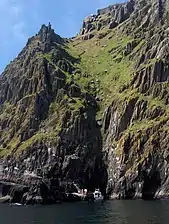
[(98, 195), (95, 196)]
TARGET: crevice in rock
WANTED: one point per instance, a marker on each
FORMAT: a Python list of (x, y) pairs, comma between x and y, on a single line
[(150, 186)]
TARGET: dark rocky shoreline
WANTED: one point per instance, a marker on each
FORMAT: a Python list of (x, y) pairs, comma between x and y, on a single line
[(38, 193)]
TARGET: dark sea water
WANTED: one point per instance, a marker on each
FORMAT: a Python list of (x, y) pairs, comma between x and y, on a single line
[(111, 212)]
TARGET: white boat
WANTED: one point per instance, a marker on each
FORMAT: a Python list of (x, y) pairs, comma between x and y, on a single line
[(17, 204), (98, 195)]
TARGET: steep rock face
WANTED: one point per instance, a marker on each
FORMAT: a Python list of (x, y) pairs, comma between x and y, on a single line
[(28, 85), (135, 155), (136, 142)]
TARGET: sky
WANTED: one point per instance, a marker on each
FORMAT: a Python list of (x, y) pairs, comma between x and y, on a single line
[(21, 19)]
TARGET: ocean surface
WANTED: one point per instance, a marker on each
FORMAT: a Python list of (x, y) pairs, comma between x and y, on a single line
[(110, 212)]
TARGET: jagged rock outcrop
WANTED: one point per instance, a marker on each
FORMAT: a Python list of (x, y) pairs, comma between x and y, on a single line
[(111, 16), (14, 191)]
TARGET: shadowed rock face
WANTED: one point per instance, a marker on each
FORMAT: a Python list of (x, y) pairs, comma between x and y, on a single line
[(91, 111)]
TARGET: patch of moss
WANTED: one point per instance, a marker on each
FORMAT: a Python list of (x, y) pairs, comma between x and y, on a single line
[(11, 146), (74, 103), (37, 138), (79, 103), (111, 70)]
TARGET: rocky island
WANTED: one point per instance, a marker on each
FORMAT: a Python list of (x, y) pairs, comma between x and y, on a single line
[(91, 111)]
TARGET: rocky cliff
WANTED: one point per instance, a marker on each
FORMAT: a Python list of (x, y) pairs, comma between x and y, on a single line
[(48, 126), (91, 111)]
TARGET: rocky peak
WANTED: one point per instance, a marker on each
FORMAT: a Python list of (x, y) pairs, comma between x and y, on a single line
[(44, 40), (33, 78), (47, 34)]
